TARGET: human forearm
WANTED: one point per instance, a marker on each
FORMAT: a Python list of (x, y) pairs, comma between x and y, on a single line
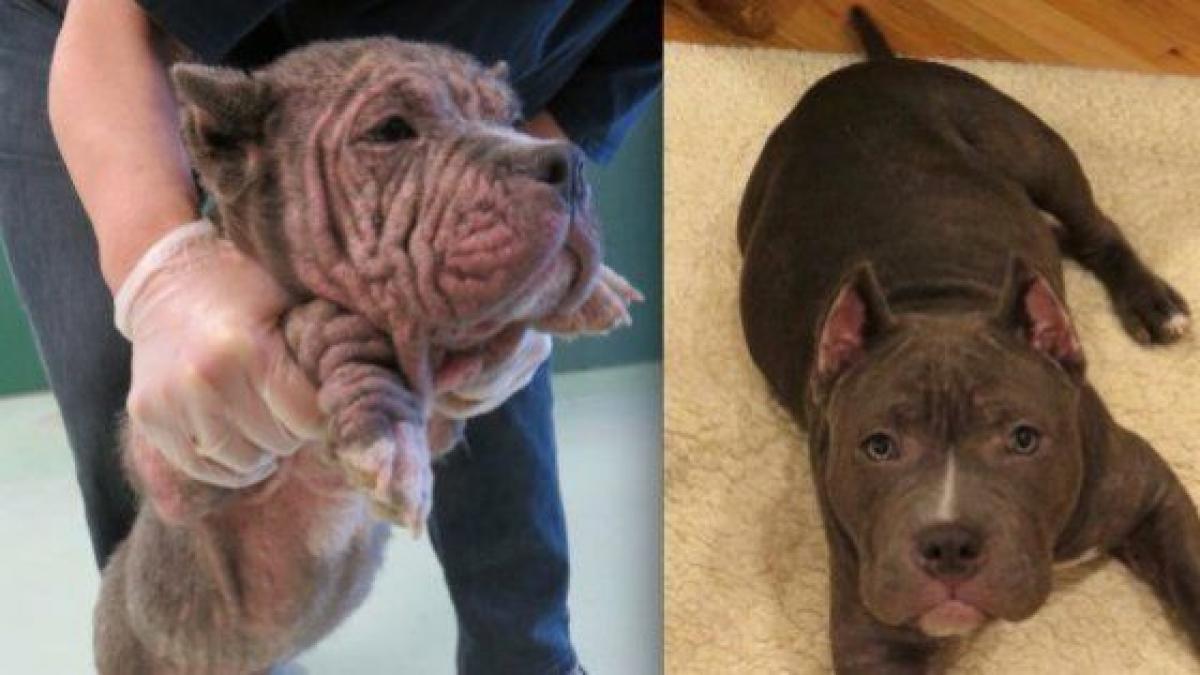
[(543, 125), (600, 103), (115, 121)]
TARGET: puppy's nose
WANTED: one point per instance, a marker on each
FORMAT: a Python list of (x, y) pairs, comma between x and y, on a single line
[(557, 165), (949, 551)]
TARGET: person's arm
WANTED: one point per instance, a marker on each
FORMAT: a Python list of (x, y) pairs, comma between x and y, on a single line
[(114, 117), (543, 125), (213, 385)]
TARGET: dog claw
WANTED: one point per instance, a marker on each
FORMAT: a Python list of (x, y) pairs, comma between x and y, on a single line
[(1177, 325), (606, 309), (397, 475), (1153, 312)]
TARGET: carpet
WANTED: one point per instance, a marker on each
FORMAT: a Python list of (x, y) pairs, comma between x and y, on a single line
[(746, 582)]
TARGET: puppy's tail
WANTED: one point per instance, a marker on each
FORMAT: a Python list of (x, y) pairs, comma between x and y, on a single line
[(873, 41)]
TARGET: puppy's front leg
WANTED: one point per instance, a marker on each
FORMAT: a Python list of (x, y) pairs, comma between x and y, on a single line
[(378, 425), (604, 309), (1163, 547), (1134, 507)]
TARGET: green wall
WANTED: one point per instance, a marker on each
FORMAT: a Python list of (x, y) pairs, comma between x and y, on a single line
[(629, 196), (20, 367)]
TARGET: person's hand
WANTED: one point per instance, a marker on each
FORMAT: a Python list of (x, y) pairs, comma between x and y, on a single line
[(496, 383), (214, 387)]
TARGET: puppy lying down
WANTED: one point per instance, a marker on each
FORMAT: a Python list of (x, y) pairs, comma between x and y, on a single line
[(430, 247)]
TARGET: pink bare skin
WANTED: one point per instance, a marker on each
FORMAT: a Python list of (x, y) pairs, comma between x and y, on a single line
[(424, 239), (421, 215)]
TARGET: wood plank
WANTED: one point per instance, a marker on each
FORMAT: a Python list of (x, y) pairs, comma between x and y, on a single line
[(1141, 35)]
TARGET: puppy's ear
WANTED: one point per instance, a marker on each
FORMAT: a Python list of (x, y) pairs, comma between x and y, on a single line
[(858, 316), (223, 113), (1029, 306)]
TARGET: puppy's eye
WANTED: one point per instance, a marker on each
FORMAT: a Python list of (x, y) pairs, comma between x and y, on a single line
[(391, 130), (1024, 439), (880, 448)]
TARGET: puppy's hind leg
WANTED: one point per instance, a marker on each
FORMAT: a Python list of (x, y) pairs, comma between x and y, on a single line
[(1150, 310), (116, 646), (1016, 142)]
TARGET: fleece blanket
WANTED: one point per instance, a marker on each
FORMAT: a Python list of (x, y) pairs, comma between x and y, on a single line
[(745, 555)]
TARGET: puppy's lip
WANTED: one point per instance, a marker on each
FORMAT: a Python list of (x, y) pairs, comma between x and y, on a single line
[(585, 255), (951, 618), (579, 285)]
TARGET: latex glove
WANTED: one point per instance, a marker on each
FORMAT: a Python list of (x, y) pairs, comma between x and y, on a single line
[(214, 387), (496, 384)]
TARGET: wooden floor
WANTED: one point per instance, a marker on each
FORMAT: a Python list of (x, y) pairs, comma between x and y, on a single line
[(1143, 35)]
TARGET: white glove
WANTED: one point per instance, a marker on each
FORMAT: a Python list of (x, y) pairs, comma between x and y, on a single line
[(214, 386), (492, 387)]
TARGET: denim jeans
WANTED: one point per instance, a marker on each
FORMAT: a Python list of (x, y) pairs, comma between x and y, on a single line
[(497, 524)]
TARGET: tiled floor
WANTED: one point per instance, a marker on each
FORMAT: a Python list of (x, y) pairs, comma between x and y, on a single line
[(609, 432)]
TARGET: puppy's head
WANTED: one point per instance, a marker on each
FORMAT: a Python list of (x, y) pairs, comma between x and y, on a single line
[(950, 449), (388, 177)]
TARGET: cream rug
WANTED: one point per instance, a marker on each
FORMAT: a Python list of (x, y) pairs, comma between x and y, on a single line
[(746, 562)]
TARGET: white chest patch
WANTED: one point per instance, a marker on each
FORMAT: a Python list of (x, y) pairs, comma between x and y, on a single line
[(1083, 558)]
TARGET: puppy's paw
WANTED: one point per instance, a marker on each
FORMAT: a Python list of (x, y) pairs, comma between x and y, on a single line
[(1152, 312), (606, 308), (395, 472)]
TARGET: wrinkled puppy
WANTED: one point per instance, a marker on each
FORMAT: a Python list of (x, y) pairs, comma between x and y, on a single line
[(902, 293), (426, 243)]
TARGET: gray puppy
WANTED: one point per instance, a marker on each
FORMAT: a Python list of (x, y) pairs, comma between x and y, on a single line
[(902, 293), (423, 238)]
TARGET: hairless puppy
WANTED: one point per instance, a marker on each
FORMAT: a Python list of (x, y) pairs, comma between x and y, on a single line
[(429, 247)]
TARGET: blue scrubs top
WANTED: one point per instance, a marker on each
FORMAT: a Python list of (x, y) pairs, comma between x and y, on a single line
[(593, 64)]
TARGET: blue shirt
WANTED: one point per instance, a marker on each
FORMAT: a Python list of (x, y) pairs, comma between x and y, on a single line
[(593, 64)]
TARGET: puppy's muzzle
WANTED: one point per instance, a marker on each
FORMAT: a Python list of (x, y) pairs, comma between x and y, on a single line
[(560, 166)]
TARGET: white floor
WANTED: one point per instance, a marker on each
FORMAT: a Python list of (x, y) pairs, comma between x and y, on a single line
[(610, 454)]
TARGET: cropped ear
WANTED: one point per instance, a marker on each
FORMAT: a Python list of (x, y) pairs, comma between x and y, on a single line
[(223, 112), (858, 316), (1029, 306), (496, 97)]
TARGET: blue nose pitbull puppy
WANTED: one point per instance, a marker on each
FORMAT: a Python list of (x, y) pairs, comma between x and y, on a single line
[(902, 293)]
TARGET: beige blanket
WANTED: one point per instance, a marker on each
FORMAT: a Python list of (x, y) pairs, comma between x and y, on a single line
[(746, 561)]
